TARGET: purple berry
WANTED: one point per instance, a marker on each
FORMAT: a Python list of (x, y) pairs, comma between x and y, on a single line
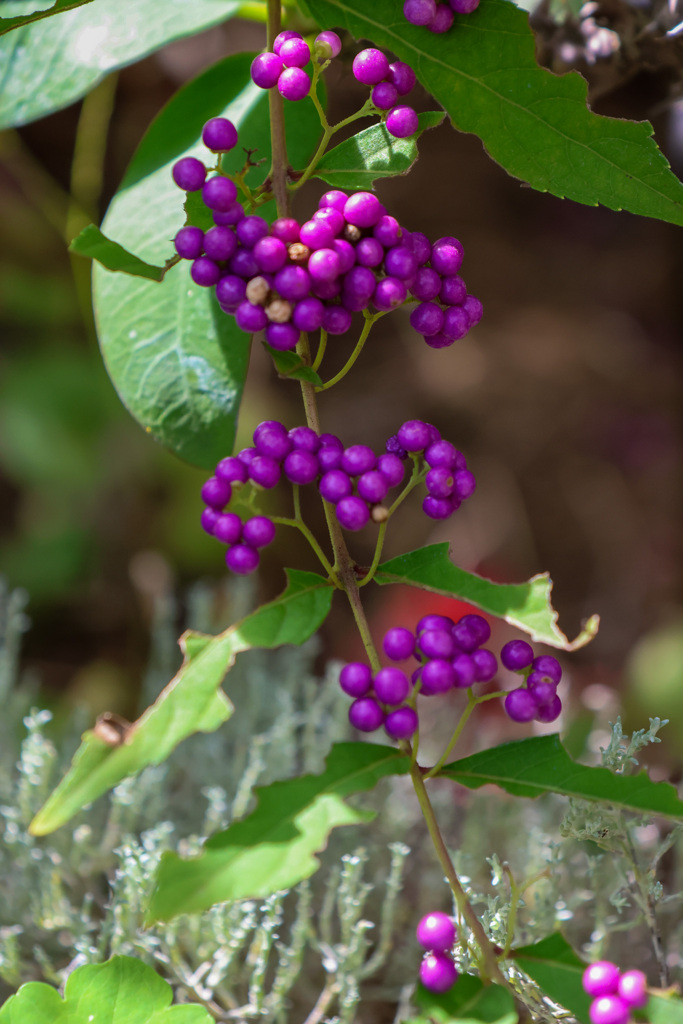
[(250, 318), (394, 447), (189, 173), (335, 485), (244, 265), (282, 38), (317, 234), (216, 493), (516, 655), (365, 714), (336, 199), (434, 622), (357, 459), (391, 468), (209, 518), (414, 435), (363, 209), (520, 705), (439, 340), (336, 320), (477, 626), (401, 724), (398, 643), (609, 1010), (456, 323), (438, 973), (283, 337), (231, 216), (369, 252), (391, 685), (389, 293), (269, 427), (453, 290), (358, 289), (301, 467), (442, 20), (219, 135), (633, 988), (250, 230), (427, 284), (305, 439), (419, 12), (346, 253), (443, 453), (400, 262), (465, 670), (485, 665), (437, 508), (219, 193), (402, 77), (329, 458), (266, 70), (258, 532), (294, 53), (220, 243), (437, 677), (205, 272), (247, 456), (308, 314), (270, 254), (463, 6), (355, 679), (264, 472), (447, 256), (228, 528), (549, 712), (370, 66), (439, 482), (292, 283), (542, 688), (324, 265), (436, 931), (402, 121), (331, 441), (352, 513), (327, 45), (286, 229), (436, 643), (242, 559), (548, 666), (384, 95), (387, 230), (372, 486), (294, 84), (189, 242), (232, 470), (474, 309)]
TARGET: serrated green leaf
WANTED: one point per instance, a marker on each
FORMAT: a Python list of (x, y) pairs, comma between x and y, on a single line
[(177, 361), (192, 702), (468, 1000), (120, 991), (289, 364), (373, 154), (537, 125), (540, 764), (54, 62), (92, 244), (555, 967), (274, 847), (525, 605)]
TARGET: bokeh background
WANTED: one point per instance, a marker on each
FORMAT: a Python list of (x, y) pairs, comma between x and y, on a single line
[(566, 399)]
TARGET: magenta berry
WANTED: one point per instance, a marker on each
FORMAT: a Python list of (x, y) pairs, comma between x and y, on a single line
[(419, 12), (401, 724), (355, 679), (258, 532), (438, 973), (391, 685), (266, 70), (370, 66), (516, 655), (609, 1010), (242, 559), (398, 644), (189, 173), (327, 45), (216, 493), (228, 528), (402, 122), (633, 988), (352, 513), (365, 714), (436, 931), (219, 134), (520, 705)]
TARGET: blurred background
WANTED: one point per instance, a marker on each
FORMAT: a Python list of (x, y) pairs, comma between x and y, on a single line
[(566, 399)]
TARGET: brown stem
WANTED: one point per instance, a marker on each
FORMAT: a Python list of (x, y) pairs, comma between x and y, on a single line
[(278, 170)]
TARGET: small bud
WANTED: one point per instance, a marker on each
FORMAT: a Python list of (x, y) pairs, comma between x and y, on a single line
[(298, 252), (257, 290), (379, 514), (351, 233), (279, 311), (112, 729)]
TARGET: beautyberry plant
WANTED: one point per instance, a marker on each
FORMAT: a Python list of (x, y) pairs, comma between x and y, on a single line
[(216, 178)]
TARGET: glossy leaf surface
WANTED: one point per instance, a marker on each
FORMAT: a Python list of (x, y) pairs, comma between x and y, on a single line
[(120, 991), (535, 124), (177, 361), (525, 605), (53, 62), (192, 702), (372, 154), (274, 847), (92, 244), (540, 764)]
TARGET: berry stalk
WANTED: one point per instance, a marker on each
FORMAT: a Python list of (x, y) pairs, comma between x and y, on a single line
[(278, 170)]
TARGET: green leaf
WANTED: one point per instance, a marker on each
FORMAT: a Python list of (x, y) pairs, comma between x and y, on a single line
[(274, 847), (371, 154), (289, 364), (8, 24), (177, 361), (54, 62), (663, 1009), (525, 605), (120, 991), (192, 702), (555, 967), (92, 244), (535, 124), (468, 1000), (540, 764)]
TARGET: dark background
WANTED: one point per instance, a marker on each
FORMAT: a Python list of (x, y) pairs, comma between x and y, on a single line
[(566, 400)]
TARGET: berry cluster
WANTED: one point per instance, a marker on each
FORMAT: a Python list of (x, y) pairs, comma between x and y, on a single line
[(614, 994), (244, 539), (450, 656), (353, 479), (389, 81), (436, 934), (283, 66), (448, 480), (537, 698), (287, 277), (434, 15)]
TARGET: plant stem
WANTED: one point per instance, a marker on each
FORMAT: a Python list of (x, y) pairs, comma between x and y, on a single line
[(369, 321), (321, 350), (472, 702), (280, 163)]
